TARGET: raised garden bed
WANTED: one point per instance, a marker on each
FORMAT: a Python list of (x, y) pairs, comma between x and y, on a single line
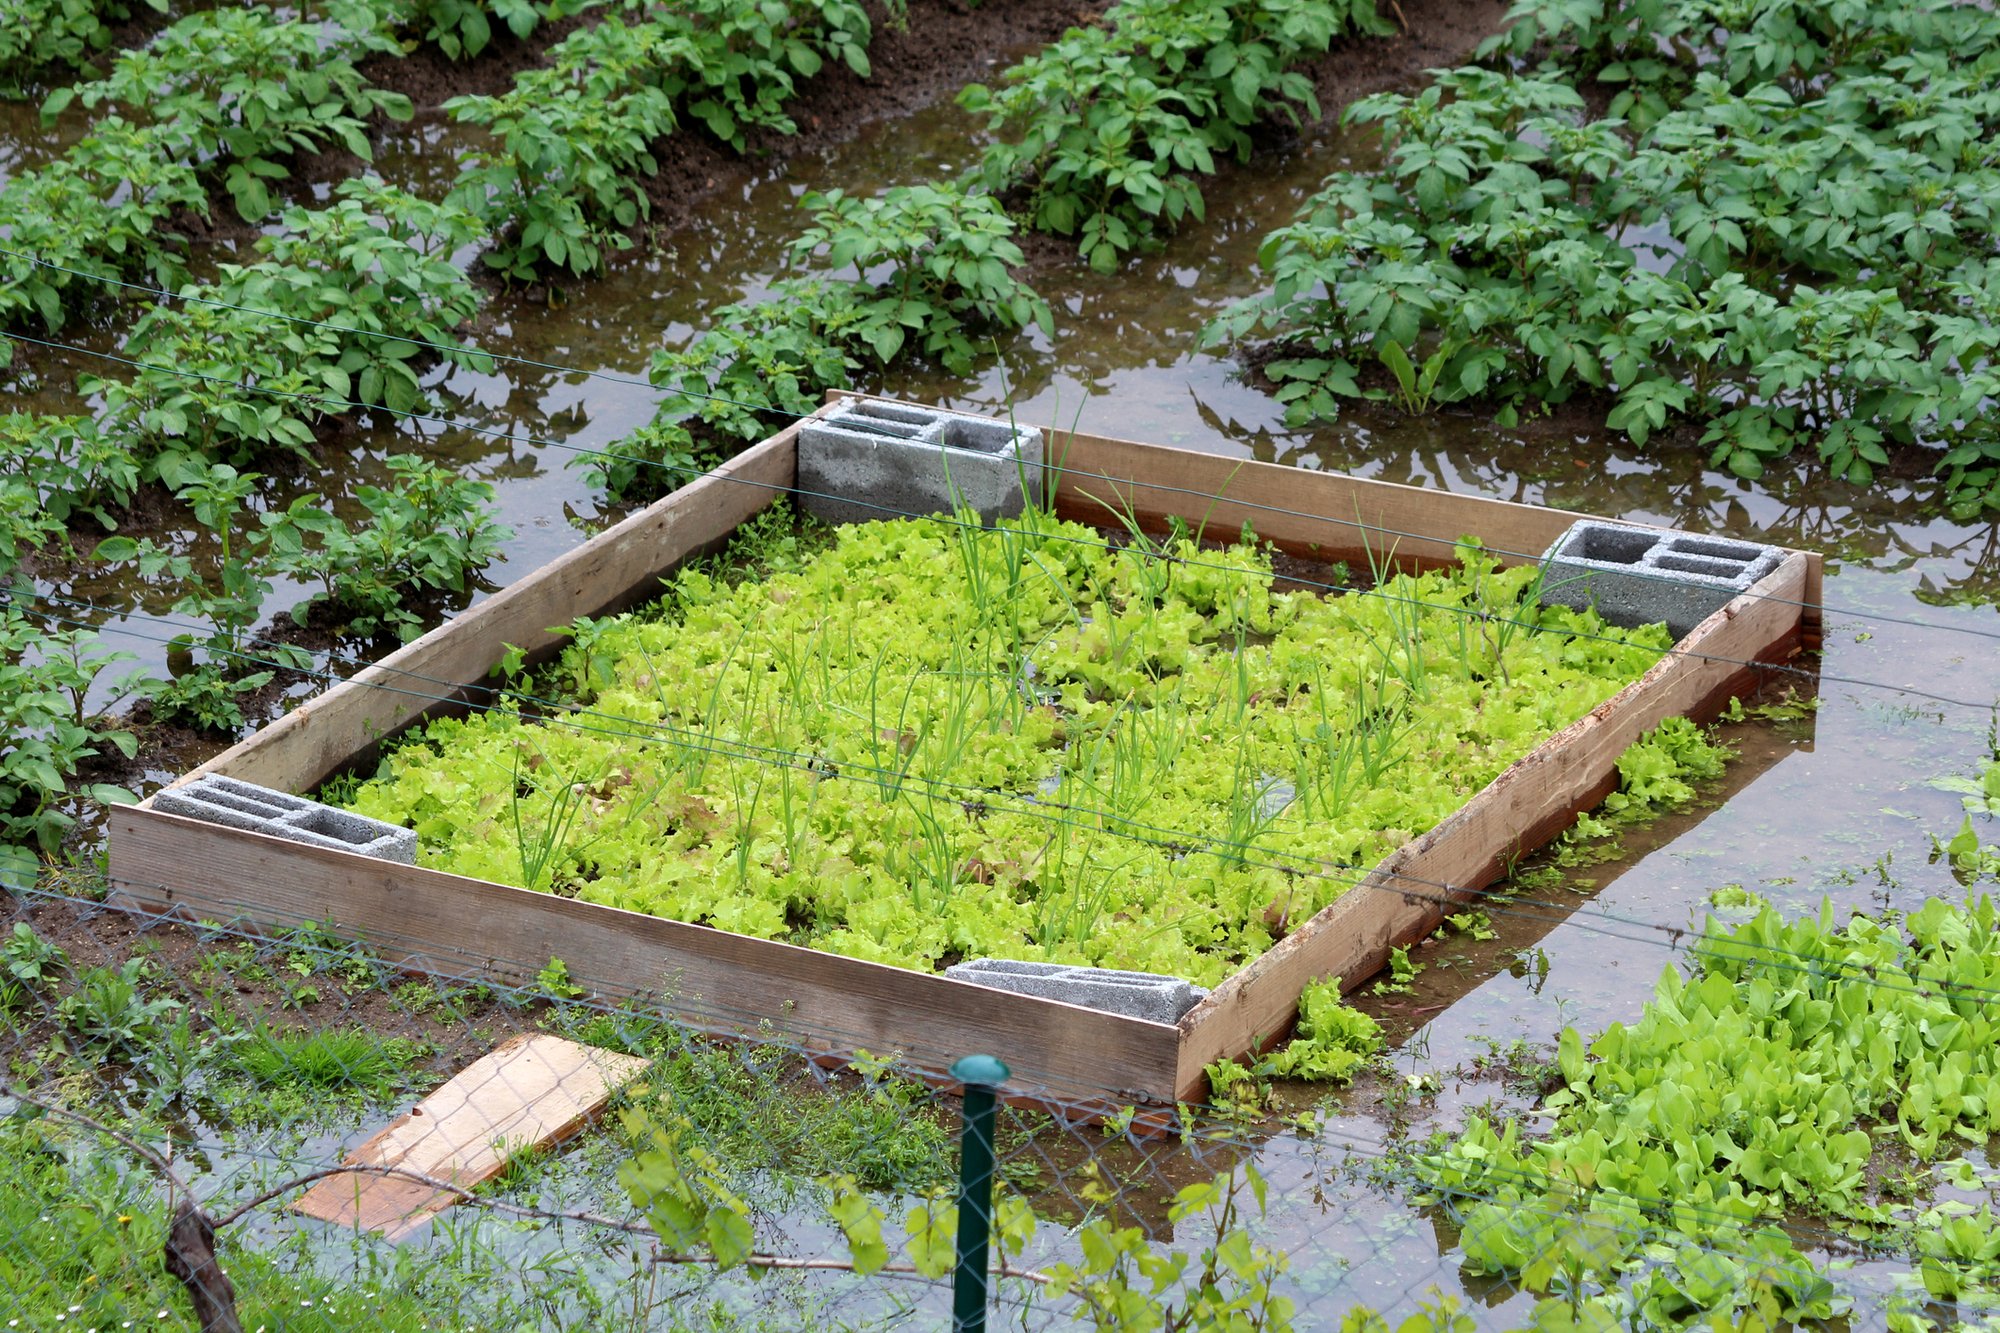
[(1257, 960)]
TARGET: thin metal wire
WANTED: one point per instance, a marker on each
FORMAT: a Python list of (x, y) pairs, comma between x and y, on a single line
[(1430, 892), (632, 382), (890, 511)]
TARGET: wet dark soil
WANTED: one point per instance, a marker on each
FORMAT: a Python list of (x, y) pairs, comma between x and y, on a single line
[(943, 46), (1430, 34), (430, 78), (184, 962)]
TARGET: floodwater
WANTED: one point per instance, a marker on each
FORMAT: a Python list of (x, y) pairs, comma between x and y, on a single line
[(1835, 804)]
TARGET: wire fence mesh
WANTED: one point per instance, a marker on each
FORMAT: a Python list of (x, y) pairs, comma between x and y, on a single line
[(208, 1124)]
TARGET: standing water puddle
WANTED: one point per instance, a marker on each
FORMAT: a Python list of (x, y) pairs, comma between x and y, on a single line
[(1815, 811)]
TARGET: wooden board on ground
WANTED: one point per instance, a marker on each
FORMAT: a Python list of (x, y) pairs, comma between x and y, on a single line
[(530, 1091), (829, 1006)]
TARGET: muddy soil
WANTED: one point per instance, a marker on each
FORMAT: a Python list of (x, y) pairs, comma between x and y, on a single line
[(183, 960)]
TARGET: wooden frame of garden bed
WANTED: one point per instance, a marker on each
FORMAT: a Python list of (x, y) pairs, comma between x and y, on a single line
[(831, 1005)]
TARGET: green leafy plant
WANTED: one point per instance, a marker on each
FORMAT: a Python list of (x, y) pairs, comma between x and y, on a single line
[(102, 209), (1122, 1281), (1332, 1042), (755, 365), (563, 186), (933, 275), (38, 33), (948, 257), (1747, 1087), (110, 1014), (31, 960), (424, 534), (889, 671), (1403, 971), (463, 28), (239, 89), (347, 304), (1775, 237), (559, 187), (1106, 131), (554, 981), (46, 732), (741, 59), (203, 692)]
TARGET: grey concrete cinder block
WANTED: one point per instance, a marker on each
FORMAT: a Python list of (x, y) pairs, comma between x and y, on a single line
[(1640, 576), (869, 460), (1147, 995), (245, 805)]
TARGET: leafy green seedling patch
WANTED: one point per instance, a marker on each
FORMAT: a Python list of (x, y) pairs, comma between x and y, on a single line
[(1794, 1068), (933, 741)]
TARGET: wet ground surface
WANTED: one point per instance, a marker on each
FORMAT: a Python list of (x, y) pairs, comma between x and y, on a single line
[(1835, 803)]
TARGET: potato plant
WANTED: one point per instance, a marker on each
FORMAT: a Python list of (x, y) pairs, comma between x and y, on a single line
[(564, 185), (238, 90), (425, 534), (38, 34), (949, 258), (1105, 133), (104, 208), (560, 187), (46, 731), (933, 276), (464, 28), (331, 315), (219, 99), (54, 472), (1782, 236)]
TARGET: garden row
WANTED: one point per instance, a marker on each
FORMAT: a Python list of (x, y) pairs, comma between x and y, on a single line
[(339, 311), (1779, 234), (42, 40), (1102, 137), (378, 261)]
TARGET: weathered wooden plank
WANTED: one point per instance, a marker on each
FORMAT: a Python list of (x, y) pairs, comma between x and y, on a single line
[(531, 1091), (1812, 616), (1537, 797), (1323, 515), (613, 570), (710, 979)]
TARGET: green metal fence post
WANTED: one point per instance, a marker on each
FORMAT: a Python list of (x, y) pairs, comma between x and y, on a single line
[(980, 1075)]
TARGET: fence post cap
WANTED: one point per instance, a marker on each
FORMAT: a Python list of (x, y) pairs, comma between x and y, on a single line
[(980, 1070)]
